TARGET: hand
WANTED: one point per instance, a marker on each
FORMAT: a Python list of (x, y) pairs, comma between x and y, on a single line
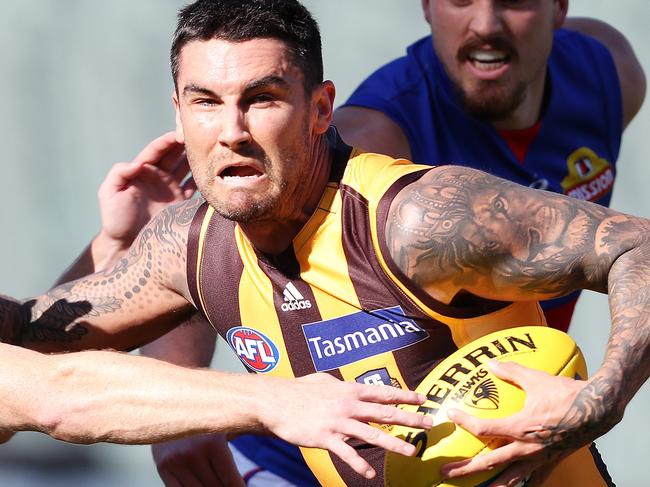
[(197, 461), (552, 424), (320, 411), (135, 191)]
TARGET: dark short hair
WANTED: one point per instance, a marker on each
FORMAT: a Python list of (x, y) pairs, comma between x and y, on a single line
[(243, 20)]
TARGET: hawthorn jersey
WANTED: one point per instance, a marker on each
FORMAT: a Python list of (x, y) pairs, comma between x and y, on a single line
[(334, 301), (573, 150)]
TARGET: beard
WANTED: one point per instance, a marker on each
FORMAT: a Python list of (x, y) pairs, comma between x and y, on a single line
[(492, 104), (246, 207)]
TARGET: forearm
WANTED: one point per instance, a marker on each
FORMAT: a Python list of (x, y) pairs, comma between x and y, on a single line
[(100, 254), (97, 396), (626, 366), (191, 344)]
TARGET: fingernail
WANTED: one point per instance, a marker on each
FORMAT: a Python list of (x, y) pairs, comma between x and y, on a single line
[(427, 422)]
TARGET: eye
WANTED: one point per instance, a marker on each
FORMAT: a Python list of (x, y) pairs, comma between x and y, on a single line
[(261, 99), (499, 204), (204, 102)]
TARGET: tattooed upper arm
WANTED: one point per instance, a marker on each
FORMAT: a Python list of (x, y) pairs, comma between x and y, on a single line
[(139, 299), (461, 229)]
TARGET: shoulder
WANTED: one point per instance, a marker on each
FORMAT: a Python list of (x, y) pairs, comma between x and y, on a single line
[(168, 232), (371, 130), (629, 70), (372, 175)]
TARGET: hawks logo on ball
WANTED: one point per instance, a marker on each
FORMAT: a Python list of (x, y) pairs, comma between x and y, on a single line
[(254, 349)]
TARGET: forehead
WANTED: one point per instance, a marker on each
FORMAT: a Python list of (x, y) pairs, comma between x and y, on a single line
[(226, 62)]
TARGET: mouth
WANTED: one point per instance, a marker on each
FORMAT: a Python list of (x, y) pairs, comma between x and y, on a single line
[(488, 60), (240, 174)]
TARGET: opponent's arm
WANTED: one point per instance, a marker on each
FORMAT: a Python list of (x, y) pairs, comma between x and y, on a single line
[(205, 459), (87, 397), (130, 195), (459, 230), (629, 70), (371, 130)]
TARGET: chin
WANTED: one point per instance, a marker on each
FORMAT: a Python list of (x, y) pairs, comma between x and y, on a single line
[(492, 103), (242, 211)]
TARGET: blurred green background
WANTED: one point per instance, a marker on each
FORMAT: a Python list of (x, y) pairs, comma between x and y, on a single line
[(86, 83)]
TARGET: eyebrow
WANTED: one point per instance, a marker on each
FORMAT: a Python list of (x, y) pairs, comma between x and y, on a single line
[(192, 88), (271, 80)]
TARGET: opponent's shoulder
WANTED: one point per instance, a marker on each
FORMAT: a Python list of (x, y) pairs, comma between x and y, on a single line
[(371, 130), (630, 73)]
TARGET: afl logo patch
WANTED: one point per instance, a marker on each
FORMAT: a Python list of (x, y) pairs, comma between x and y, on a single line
[(254, 349)]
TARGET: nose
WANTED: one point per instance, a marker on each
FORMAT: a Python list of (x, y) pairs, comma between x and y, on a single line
[(486, 18), (234, 129)]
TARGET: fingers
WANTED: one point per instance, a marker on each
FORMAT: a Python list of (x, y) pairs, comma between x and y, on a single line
[(162, 150), (514, 373), (503, 428), (480, 463), (350, 456), (378, 413), (513, 476), (388, 395), (168, 479), (375, 436), (189, 188)]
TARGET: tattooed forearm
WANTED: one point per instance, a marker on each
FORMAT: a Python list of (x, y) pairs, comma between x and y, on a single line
[(467, 229), (104, 309)]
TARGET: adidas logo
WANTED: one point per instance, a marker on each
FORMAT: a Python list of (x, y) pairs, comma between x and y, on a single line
[(293, 300)]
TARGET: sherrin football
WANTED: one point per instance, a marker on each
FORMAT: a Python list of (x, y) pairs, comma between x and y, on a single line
[(463, 381)]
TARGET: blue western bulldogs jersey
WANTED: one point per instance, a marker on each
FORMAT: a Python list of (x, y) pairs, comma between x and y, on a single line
[(574, 151)]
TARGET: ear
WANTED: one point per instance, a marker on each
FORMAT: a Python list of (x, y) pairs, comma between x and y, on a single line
[(561, 7), (180, 136), (426, 10), (323, 106)]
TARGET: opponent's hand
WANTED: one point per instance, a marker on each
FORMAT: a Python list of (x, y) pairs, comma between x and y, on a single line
[(135, 191), (321, 411), (196, 461), (552, 424)]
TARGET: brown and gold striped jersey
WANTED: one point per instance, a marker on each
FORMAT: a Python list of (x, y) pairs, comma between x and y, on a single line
[(334, 301)]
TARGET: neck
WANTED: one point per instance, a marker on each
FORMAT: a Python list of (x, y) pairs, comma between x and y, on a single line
[(274, 234), (529, 111)]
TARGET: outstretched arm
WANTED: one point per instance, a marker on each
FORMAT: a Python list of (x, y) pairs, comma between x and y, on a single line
[(114, 397), (459, 230)]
